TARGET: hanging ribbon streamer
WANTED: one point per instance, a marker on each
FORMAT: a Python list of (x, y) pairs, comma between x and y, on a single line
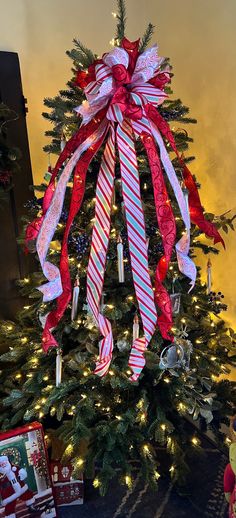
[(137, 245), (123, 91), (99, 246)]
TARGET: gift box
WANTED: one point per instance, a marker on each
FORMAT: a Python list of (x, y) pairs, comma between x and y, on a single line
[(25, 481), (67, 490)]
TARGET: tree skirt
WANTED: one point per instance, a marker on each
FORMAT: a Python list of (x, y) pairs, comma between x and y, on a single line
[(204, 496)]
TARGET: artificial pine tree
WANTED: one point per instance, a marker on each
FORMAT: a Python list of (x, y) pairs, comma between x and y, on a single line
[(109, 423)]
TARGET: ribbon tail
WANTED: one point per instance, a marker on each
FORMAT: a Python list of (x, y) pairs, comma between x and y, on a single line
[(166, 222), (53, 288), (32, 230), (196, 210), (185, 264), (63, 300), (137, 244), (98, 252)]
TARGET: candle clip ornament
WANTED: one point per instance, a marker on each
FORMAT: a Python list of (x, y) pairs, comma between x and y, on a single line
[(63, 141), (58, 367), (209, 277), (75, 298), (175, 300), (48, 174), (135, 327), (120, 259)]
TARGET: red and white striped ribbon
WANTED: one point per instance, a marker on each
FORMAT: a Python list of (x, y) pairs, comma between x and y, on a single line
[(137, 244), (98, 252)]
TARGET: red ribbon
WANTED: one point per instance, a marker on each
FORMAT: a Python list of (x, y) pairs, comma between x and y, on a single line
[(63, 300), (195, 207), (166, 222)]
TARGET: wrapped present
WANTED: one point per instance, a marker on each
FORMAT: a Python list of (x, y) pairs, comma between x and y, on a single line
[(25, 481), (67, 490)]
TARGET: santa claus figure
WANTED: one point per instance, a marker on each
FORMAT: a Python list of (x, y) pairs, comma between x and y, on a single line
[(13, 487)]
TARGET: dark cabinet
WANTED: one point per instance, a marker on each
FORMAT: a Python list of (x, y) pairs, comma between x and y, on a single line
[(14, 264)]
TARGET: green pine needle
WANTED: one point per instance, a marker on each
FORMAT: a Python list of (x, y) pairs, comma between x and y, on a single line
[(146, 37), (121, 17)]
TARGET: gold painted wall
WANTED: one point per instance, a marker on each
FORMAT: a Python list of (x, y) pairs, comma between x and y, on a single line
[(200, 38)]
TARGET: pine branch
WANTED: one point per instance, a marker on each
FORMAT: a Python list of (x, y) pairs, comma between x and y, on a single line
[(146, 37), (86, 53), (121, 17)]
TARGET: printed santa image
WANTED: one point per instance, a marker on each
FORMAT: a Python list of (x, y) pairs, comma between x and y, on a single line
[(25, 482), (13, 486)]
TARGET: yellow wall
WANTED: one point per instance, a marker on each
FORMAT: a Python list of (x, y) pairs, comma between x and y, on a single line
[(200, 38)]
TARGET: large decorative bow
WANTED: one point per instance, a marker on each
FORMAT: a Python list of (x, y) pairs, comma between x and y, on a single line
[(123, 91)]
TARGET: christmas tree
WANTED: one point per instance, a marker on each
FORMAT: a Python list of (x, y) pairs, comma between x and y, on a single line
[(130, 413)]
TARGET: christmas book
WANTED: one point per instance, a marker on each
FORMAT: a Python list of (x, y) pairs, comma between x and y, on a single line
[(25, 481)]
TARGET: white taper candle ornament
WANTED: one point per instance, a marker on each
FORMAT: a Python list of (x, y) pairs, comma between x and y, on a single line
[(114, 195), (58, 367), (63, 141), (120, 259), (48, 174), (209, 279), (75, 298), (186, 193), (135, 327)]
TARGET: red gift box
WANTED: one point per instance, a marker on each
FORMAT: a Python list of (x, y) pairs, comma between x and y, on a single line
[(25, 481), (67, 490)]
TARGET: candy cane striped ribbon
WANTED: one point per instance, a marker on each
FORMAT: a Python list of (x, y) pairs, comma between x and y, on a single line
[(137, 245), (97, 258)]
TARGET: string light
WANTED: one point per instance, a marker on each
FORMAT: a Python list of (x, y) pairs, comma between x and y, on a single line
[(79, 462), (195, 441), (146, 449), (96, 483), (18, 376), (69, 449), (166, 380), (24, 340), (114, 14), (156, 475), (143, 417), (26, 280), (163, 427), (128, 480), (111, 373), (172, 469)]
